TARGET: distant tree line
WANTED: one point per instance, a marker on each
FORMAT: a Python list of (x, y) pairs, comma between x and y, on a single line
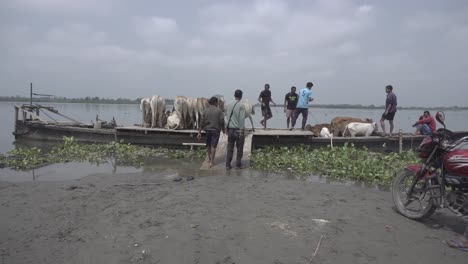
[(87, 99), (358, 106), (98, 100)]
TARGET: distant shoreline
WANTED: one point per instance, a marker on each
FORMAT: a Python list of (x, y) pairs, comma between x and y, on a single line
[(97, 100)]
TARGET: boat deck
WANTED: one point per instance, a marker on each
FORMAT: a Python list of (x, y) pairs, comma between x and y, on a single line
[(176, 138)]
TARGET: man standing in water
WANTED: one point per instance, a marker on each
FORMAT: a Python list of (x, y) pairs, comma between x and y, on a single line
[(212, 121), (305, 96), (390, 109), (235, 128), (264, 99), (290, 103)]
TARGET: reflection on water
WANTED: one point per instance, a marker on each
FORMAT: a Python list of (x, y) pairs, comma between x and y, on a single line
[(64, 172)]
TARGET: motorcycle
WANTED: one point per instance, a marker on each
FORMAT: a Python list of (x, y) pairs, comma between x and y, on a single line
[(440, 181)]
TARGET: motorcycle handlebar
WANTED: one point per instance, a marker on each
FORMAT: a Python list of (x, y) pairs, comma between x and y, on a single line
[(457, 142)]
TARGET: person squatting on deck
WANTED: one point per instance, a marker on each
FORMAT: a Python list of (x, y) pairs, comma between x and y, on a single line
[(235, 128), (290, 104), (305, 96), (264, 99), (390, 110), (212, 121), (426, 124)]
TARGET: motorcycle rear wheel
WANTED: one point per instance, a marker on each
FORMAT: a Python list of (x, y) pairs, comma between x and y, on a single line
[(408, 206)]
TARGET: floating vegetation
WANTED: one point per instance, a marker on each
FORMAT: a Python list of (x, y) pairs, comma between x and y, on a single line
[(345, 163), (70, 150)]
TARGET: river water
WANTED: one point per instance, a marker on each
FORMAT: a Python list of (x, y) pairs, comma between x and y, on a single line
[(129, 114)]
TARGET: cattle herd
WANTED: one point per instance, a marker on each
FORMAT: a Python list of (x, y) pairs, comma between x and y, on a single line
[(344, 126), (186, 112)]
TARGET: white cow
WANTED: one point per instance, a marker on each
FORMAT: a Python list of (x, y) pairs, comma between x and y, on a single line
[(249, 111), (192, 112), (158, 108), (202, 104), (360, 129), (145, 108), (325, 133), (173, 121), (221, 102), (181, 108)]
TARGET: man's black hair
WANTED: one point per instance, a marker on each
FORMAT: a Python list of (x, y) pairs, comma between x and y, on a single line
[(309, 85), (427, 112), (389, 87), (238, 94), (213, 101)]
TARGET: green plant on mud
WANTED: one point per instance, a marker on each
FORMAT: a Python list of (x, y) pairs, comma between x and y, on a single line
[(345, 162), (70, 150), (23, 158)]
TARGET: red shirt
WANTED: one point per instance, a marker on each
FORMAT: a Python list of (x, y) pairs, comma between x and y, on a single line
[(430, 121)]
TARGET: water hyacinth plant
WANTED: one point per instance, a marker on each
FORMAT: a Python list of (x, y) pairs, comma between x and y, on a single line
[(345, 162), (70, 150)]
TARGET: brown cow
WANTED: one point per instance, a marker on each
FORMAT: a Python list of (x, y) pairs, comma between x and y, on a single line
[(339, 123), (317, 128)]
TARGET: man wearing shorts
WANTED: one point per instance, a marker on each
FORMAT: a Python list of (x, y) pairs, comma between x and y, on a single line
[(290, 103), (264, 99), (212, 121), (390, 109)]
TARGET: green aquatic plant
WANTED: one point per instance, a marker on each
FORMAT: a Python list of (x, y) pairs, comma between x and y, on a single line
[(119, 152), (346, 162), (24, 158)]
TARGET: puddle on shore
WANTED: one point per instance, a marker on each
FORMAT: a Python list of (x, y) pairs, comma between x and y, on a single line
[(186, 167), (63, 172)]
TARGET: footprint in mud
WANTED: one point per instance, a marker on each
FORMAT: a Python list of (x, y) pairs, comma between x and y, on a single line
[(226, 260), (177, 178), (149, 223)]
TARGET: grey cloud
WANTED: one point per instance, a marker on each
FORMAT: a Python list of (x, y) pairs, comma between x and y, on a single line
[(349, 49)]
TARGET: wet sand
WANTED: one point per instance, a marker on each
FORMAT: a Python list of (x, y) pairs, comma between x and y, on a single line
[(239, 216)]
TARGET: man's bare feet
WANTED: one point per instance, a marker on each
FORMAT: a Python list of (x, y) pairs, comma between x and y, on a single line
[(460, 243)]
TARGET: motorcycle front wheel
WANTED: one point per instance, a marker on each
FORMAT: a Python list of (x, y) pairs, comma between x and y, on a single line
[(419, 205)]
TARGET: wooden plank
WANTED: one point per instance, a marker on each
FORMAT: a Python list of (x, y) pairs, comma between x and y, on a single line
[(193, 144), (155, 129), (220, 158)]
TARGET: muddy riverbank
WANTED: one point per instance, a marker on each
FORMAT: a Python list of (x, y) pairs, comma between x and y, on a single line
[(239, 216)]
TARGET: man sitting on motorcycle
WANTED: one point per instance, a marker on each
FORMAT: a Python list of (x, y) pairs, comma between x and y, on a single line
[(426, 124)]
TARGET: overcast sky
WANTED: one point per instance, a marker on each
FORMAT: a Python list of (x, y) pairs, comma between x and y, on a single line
[(349, 49)]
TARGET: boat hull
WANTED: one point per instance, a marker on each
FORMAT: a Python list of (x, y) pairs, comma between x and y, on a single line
[(167, 137)]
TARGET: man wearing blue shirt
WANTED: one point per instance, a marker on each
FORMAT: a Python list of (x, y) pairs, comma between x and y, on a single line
[(305, 96)]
